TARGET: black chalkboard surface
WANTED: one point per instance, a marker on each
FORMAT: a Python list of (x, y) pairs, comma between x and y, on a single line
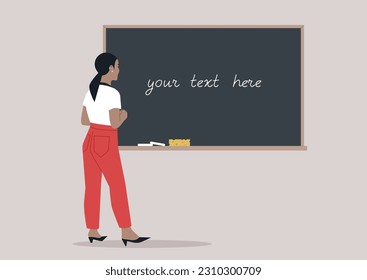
[(222, 87)]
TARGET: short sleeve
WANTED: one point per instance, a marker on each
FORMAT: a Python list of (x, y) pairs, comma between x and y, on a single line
[(114, 100), (87, 99)]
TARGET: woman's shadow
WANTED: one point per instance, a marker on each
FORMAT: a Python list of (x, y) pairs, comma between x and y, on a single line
[(147, 244)]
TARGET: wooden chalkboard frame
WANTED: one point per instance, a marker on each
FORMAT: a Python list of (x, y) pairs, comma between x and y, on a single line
[(302, 147)]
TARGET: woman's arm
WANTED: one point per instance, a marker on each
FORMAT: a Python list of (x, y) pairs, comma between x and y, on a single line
[(85, 118), (117, 117)]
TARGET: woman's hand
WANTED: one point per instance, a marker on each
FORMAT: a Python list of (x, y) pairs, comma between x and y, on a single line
[(123, 115), (117, 117)]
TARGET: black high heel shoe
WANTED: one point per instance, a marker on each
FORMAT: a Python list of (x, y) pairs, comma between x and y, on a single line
[(139, 240), (96, 238)]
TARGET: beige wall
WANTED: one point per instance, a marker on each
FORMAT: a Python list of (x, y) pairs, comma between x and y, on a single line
[(282, 204)]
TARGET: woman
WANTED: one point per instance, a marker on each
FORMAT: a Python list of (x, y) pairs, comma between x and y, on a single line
[(102, 112)]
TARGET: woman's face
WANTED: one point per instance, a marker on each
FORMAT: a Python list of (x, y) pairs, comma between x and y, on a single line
[(116, 70)]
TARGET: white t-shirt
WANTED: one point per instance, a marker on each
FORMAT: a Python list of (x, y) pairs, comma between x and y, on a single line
[(98, 111)]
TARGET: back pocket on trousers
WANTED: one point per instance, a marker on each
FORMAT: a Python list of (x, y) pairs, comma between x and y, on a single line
[(101, 145)]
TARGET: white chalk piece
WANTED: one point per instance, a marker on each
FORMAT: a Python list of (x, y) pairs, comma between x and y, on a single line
[(157, 143), (145, 145)]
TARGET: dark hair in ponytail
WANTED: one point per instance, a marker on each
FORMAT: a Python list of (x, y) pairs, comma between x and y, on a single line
[(102, 64)]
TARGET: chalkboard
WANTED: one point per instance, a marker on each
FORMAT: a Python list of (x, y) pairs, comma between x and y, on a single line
[(219, 86)]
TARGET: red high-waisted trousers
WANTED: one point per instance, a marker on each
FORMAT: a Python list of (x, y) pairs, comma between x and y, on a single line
[(101, 156)]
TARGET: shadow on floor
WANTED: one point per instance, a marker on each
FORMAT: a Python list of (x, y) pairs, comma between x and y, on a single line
[(146, 244)]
